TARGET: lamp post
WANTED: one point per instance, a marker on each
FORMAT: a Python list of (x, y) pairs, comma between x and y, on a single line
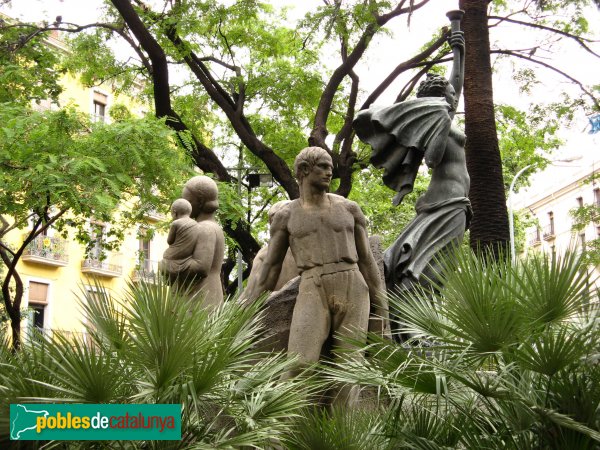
[(511, 223), (253, 180)]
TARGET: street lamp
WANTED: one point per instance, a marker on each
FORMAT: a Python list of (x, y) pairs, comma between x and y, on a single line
[(253, 180), (511, 223)]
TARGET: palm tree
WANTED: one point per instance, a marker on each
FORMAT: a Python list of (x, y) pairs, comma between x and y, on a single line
[(503, 357), (155, 346), (489, 226)]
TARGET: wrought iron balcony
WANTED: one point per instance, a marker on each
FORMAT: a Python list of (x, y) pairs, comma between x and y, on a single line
[(101, 268), (145, 271), (51, 251), (549, 233), (535, 238)]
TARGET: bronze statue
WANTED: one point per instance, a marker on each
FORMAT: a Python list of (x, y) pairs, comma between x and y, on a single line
[(401, 136)]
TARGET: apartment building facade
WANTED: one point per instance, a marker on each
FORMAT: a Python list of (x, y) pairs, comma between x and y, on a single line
[(565, 185), (57, 271)]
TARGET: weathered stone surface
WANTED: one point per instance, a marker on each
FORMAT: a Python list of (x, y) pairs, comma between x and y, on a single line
[(377, 250), (200, 272), (279, 308)]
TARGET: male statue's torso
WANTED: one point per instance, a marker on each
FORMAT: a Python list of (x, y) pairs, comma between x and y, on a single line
[(322, 235)]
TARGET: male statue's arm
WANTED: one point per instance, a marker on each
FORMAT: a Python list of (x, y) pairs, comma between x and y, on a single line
[(368, 268), (278, 245)]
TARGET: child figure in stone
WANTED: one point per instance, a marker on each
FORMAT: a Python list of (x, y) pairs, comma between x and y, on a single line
[(182, 238)]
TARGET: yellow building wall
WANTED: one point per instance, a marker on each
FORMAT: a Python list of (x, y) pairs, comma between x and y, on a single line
[(65, 283)]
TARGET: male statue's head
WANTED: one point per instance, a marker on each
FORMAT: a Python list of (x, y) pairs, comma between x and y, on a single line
[(275, 208), (181, 208), (202, 193), (314, 164), (437, 86)]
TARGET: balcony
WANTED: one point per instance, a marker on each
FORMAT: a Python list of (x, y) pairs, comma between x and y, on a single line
[(100, 268), (146, 271), (153, 215), (535, 238), (549, 233), (50, 251)]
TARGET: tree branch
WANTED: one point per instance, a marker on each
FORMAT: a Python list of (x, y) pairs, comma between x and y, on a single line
[(205, 158), (415, 61), (241, 95), (276, 165), (231, 67), (319, 131), (581, 41), (548, 66)]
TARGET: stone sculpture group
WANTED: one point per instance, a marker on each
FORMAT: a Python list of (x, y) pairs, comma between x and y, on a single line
[(196, 242), (322, 237)]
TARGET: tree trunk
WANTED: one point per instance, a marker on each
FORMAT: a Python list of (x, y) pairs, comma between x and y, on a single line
[(15, 326), (489, 227)]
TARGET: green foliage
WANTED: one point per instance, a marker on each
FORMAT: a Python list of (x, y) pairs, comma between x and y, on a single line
[(348, 429), (155, 346), (28, 66), (92, 61), (57, 162), (375, 199), (504, 356), (525, 138), (60, 170)]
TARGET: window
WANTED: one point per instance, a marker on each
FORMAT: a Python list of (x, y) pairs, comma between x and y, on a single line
[(97, 236), (549, 229), (99, 107), (580, 202), (95, 296), (38, 300), (34, 218), (597, 197), (144, 254), (582, 241)]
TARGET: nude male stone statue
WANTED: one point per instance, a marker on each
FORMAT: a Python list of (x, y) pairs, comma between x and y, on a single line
[(203, 272), (339, 277)]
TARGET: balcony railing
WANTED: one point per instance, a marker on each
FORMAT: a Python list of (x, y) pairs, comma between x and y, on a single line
[(549, 232), (535, 238), (154, 215), (101, 268), (145, 271), (51, 251)]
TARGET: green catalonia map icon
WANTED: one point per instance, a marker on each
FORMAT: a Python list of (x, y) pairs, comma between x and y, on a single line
[(24, 421)]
